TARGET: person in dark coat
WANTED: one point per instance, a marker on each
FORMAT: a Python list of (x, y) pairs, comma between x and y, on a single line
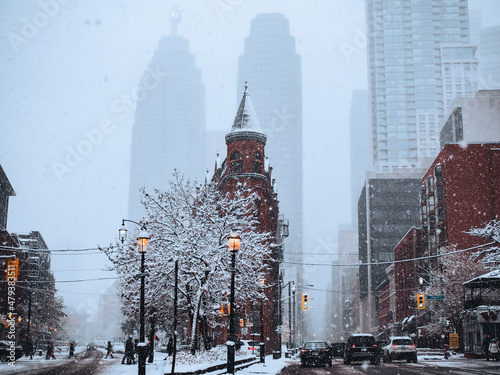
[(109, 350), (129, 352), (72, 349), (170, 347), (136, 350), (28, 346), (50, 350)]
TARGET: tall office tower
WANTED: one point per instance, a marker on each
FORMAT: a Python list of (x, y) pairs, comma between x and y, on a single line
[(169, 128), (419, 60), (489, 47), (273, 71), (359, 131)]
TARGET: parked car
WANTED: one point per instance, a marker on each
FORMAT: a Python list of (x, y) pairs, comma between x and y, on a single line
[(400, 347), (337, 349), (5, 351), (250, 346), (315, 353), (361, 347)]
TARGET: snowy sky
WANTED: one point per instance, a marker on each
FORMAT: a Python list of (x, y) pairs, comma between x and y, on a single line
[(64, 63)]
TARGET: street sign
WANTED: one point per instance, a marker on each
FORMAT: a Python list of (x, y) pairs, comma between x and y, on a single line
[(244, 331), (279, 329), (453, 340), (436, 297)]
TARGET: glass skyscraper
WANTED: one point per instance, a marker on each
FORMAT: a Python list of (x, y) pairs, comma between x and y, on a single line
[(272, 69), (169, 129), (419, 60)]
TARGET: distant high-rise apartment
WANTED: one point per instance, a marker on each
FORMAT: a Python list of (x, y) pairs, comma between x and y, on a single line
[(490, 58), (272, 68), (169, 128), (387, 209), (359, 131), (419, 60)]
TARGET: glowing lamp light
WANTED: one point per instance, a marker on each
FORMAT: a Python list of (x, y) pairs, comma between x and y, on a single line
[(234, 241), (142, 241)]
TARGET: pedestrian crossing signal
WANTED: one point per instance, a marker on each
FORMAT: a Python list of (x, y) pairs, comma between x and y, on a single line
[(421, 301), (305, 301)]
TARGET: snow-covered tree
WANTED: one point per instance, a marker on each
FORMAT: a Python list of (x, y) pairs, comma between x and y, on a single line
[(190, 223), (447, 280), (490, 255)]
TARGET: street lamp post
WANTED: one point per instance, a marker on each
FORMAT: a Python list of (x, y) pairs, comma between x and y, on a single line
[(262, 344), (142, 242), (293, 318), (234, 246), (290, 314)]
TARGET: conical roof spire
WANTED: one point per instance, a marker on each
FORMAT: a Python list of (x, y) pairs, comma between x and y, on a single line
[(246, 117)]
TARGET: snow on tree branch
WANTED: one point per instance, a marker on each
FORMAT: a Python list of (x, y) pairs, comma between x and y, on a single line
[(190, 223), (490, 255)]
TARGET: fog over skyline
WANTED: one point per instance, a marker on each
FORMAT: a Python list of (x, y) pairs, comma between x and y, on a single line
[(69, 73)]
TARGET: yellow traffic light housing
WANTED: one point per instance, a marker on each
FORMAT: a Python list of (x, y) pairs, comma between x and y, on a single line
[(305, 301), (421, 301)]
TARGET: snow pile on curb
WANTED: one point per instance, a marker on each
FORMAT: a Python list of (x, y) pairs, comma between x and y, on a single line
[(185, 361)]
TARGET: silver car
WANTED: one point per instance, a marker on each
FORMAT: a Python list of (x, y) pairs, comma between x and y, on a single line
[(400, 347)]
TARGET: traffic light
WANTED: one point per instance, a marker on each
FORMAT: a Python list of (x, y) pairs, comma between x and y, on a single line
[(305, 301), (421, 301)]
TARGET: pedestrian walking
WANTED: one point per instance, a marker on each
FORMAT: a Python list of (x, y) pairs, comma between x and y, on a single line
[(50, 350), (494, 349), (72, 349), (109, 350), (129, 352), (28, 346), (170, 347), (136, 350)]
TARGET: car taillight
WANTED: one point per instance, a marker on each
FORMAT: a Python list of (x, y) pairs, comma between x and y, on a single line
[(393, 346), (353, 346), (251, 348), (304, 351), (411, 346)]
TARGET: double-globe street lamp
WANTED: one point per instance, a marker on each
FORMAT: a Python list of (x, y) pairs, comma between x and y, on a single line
[(234, 246), (142, 242)]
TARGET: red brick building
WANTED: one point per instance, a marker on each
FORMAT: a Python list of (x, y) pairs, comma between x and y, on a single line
[(406, 279), (460, 190), (246, 165)]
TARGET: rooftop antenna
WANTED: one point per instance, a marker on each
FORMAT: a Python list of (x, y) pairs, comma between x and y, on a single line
[(175, 19)]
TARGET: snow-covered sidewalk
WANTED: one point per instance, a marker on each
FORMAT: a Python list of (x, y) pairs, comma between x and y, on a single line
[(186, 363)]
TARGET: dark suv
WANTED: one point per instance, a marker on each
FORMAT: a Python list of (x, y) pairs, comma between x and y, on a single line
[(316, 353), (361, 347)]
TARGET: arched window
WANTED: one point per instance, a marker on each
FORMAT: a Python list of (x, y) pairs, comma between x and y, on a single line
[(236, 161), (257, 162)]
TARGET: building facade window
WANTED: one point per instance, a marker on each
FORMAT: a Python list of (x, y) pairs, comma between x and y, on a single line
[(236, 165), (256, 162)]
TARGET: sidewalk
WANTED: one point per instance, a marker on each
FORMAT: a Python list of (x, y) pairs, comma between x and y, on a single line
[(200, 363)]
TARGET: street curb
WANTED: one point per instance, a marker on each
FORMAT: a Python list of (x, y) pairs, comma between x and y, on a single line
[(239, 364)]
